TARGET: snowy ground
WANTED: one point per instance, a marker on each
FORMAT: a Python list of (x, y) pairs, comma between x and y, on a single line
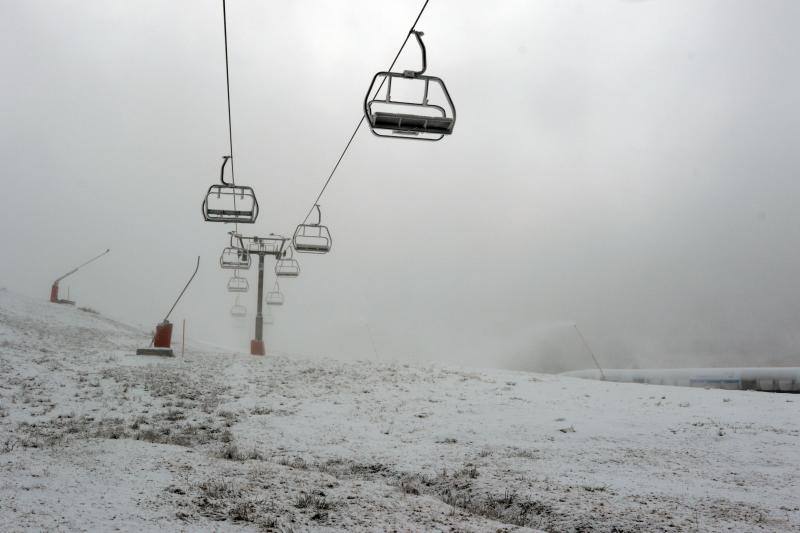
[(92, 438)]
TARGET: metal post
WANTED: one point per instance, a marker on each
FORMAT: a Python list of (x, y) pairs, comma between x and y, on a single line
[(257, 344), (183, 338), (259, 315)]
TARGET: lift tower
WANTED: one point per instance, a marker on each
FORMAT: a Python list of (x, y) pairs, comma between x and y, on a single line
[(54, 289), (261, 246)]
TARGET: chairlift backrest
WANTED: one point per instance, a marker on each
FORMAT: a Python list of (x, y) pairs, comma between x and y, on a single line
[(234, 259), (228, 202), (430, 118)]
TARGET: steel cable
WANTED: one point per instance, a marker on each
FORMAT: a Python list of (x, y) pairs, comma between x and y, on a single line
[(361, 120)]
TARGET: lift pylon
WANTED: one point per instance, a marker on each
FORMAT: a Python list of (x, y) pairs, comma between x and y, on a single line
[(262, 246)]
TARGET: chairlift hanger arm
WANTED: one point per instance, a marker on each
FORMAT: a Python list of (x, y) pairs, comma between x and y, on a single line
[(415, 73), (319, 215), (225, 159)]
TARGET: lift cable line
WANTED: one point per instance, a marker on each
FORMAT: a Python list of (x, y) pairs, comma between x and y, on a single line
[(217, 203), (361, 120), (228, 87), (586, 344)]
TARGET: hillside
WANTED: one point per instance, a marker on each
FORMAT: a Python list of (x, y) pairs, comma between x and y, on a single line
[(94, 438)]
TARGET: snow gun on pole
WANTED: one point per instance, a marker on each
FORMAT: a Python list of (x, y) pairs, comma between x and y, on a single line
[(161, 342), (54, 289)]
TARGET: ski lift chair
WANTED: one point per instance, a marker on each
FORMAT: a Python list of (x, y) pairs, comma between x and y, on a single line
[(287, 266), (272, 245), (312, 238), (236, 240), (234, 259), (423, 119), (238, 310), (238, 283), (228, 202), (275, 296)]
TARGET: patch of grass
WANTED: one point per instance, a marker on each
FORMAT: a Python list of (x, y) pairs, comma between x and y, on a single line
[(8, 445), (315, 501), (456, 489), (592, 488), (244, 511), (297, 463), (233, 453), (174, 415), (526, 453), (410, 485), (469, 470), (218, 488)]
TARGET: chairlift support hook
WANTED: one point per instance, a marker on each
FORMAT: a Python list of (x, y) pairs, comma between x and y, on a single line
[(225, 159), (415, 73)]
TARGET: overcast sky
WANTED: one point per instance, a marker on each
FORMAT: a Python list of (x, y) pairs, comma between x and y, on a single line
[(629, 166)]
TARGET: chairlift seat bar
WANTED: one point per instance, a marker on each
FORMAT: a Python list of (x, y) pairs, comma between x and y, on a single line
[(311, 247), (412, 123), (229, 212)]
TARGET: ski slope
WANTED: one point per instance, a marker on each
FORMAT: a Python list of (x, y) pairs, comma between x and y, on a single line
[(93, 438)]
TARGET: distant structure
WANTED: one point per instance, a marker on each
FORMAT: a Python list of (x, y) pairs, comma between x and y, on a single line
[(766, 379)]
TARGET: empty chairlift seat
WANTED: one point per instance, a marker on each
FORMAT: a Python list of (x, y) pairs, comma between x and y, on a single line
[(228, 202), (429, 116), (238, 311), (238, 284), (287, 266), (312, 238), (234, 259), (272, 245), (275, 296)]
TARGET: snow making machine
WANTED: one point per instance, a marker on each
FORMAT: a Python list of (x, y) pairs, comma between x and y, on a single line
[(161, 343), (54, 297)]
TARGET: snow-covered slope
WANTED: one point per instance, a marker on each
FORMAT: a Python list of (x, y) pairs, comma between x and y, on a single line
[(94, 438)]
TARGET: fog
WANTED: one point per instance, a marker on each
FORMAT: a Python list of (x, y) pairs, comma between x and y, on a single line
[(631, 167)]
